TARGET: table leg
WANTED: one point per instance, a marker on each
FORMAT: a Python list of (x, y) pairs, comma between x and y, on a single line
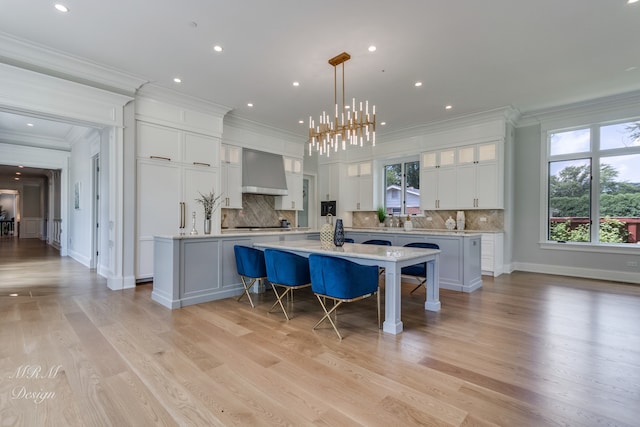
[(392, 323), (432, 302)]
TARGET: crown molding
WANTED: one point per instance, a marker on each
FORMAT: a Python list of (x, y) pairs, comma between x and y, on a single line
[(508, 114), (17, 138), (235, 121), (45, 60), (160, 93), (624, 101)]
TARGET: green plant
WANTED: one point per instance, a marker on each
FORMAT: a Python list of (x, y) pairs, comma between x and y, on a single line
[(209, 202), (382, 214)]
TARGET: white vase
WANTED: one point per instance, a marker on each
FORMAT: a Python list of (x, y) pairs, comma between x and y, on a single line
[(460, 220)]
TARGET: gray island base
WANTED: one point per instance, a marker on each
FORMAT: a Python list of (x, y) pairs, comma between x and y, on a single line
[(195, 269)]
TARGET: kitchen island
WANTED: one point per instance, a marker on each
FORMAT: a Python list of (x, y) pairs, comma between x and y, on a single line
[(195, 269)]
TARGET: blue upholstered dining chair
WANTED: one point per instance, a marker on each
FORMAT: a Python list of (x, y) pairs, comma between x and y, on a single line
[(288, 271), (377, 242), (418, 271), (251, 268), (349, 240), (341, 280)]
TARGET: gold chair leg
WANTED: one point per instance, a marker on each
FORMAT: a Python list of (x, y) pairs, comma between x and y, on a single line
[(246, 290), (378, 296), (327, 315), (422, 282), (279, 300)]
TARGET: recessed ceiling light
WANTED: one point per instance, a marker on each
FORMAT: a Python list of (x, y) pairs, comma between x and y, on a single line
[(13, 295), (217, 48), (383, 124), (177, 80), (16, 178), (418, 84), (631, 1), (61, 8), (448, 107), (18, 173), (301, 122), (296, 84), (30, 125), (20, 166), (372, 48), (250, 104)]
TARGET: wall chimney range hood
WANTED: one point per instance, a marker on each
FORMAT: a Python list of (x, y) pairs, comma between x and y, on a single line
[(263, 173)]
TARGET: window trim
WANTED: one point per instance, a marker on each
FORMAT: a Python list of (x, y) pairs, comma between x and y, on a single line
[(382, 164), (595, 154)]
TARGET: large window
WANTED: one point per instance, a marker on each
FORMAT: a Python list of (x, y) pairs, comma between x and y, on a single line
[(594, 184), (402, 188)]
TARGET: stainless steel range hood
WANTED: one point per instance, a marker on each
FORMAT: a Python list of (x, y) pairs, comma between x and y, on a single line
[(263, 173)]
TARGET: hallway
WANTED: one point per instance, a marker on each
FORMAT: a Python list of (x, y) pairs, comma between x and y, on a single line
[(31, 267)]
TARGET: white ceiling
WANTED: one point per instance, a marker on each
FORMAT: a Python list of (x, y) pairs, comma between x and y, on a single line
[(473, 55)]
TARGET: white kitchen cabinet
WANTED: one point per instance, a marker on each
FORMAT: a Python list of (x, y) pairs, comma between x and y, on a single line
[(329, 181), (479, 182), (438, 180), (293, 173), (183, 165), (231, 176), (492, 254), (360, 186)]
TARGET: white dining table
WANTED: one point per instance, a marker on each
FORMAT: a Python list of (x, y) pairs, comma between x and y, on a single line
[(392, 258)]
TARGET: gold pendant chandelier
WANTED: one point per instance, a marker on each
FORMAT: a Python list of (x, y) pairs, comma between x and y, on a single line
[(348, 126)]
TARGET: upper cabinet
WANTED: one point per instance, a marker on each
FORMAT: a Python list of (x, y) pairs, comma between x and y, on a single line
[(156, 142), (293, 172), (465, 177), (231, 176), (479, 178), (360, 186), (438, 180)]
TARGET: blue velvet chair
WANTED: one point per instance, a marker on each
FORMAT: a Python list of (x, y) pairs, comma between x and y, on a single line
[(251, 268), (377, 242), (341, 280), (286, 270), (418, 271), (349, 240)]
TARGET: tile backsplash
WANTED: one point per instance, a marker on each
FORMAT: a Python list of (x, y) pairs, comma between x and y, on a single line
[(487, 220), (257, 211)]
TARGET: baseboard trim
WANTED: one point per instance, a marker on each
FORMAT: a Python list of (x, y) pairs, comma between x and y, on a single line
[(587, 273)]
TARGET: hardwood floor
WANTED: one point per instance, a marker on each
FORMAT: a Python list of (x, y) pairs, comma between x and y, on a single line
[(525, 350)]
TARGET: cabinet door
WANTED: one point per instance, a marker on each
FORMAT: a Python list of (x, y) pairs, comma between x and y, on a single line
[(487, 189), (428, 189), (231, 187), (158, 212), (466, 186), (231, 176), (447, 182), (155, 141), (200, 150)]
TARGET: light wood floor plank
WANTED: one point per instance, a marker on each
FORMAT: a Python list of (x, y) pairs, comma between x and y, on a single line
[(525, 350)]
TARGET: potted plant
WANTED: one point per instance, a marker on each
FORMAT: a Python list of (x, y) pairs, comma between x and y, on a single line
[(209, 202), (382, 215)]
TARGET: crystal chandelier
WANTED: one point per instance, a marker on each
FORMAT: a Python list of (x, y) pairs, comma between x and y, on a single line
[(348, 124)]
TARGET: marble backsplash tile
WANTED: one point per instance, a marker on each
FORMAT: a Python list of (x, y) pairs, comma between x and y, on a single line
[(487, 220), (257, 211)]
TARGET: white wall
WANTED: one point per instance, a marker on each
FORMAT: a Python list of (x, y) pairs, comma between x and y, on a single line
[(528, 255)]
